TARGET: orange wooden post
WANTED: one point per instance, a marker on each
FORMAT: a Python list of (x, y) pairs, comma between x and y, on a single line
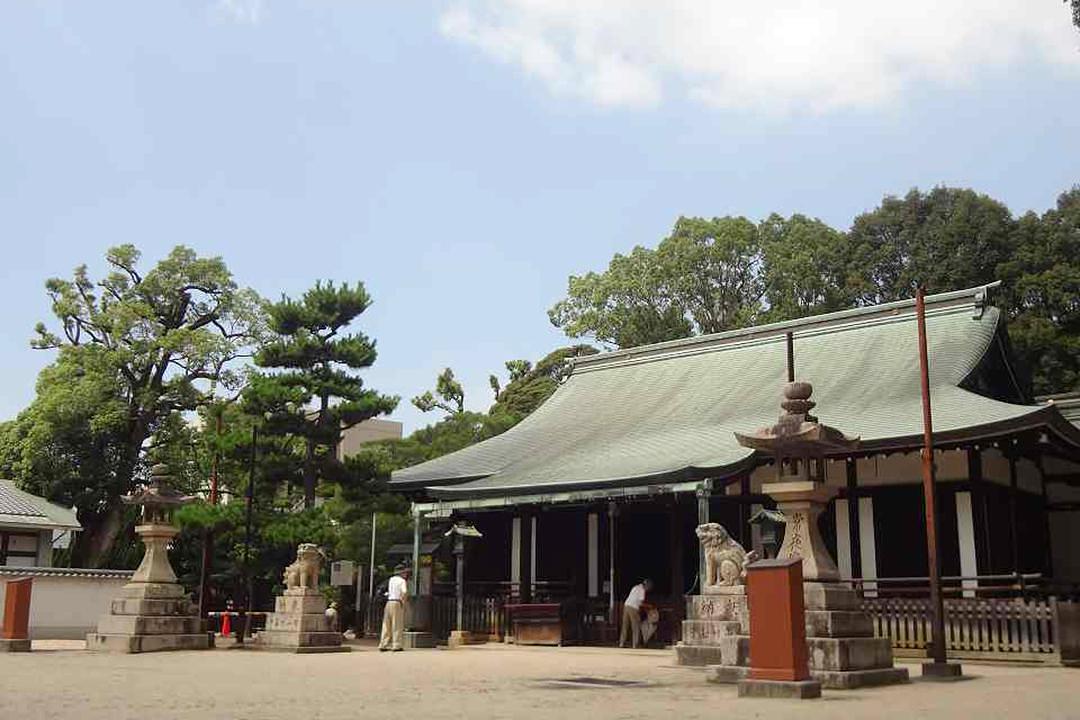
[(777, 621), (17, 611)]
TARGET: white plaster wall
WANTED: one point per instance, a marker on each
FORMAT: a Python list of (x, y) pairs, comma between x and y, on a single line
[(67, 607)]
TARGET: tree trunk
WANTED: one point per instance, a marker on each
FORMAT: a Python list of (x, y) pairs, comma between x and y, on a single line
[(309, 475), (96, 540)]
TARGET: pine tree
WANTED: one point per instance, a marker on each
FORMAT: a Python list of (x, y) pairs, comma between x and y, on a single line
[(314, 391)]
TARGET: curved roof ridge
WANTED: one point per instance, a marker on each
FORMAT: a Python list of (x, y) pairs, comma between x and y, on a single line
[(974, 297)]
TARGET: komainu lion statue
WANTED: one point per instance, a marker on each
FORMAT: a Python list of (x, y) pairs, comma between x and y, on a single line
[(304, 573), (725, 559)]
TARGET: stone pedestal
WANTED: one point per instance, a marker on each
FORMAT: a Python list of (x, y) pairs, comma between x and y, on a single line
[(299, 624), (843, 652), (17, 645), (783, 689), (710, 619), (152, 613)]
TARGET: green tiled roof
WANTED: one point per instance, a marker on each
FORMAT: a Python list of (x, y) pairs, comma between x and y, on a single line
[(667, 412), (20, 509)]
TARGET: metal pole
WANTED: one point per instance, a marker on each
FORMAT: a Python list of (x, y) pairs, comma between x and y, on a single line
[(208, 535), (415, 589), (245, 625), (371, 576), (358, 605), (937, 608), (791, 357)]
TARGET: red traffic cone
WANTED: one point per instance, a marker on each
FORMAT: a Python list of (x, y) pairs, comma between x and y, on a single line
[(226, 625)]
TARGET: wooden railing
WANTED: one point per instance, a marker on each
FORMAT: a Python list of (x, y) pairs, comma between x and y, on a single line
[(1011, 617), (1023, 629), (483, 615)]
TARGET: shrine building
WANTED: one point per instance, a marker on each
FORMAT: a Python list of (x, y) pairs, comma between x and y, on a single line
[(605, 482)]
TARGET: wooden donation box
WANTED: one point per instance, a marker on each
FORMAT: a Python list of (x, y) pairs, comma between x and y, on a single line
[(15, 636), (777, 620), (537, 623)]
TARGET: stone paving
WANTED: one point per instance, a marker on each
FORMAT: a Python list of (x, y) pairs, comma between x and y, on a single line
[(493, 681)]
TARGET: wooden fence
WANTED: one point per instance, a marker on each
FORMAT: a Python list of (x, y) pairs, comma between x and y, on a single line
[(1032, 629)]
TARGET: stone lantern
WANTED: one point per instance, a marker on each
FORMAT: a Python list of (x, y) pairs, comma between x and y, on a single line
[(841, 647), (460, 530), (152, 611), (799, 444)]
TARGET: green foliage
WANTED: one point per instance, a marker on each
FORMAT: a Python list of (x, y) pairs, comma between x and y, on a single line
[(718, 274), (134, 350), (944, 240), (806, 268), (531, 385), (449, 396), (316, 364), (629, 304), (1042, 291), (711, 270)]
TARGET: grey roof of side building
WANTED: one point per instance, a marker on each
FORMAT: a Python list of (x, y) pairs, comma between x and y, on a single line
[(21, 510), (666, 412), (1068, 404)]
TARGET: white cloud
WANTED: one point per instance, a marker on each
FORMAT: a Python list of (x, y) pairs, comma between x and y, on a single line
[(247, 12), (776, 55)]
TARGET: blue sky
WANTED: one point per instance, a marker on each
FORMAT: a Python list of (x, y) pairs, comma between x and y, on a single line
[(463, 158)]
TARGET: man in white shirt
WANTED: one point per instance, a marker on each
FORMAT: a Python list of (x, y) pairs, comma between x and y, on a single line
[(393, 624), (631, 614)]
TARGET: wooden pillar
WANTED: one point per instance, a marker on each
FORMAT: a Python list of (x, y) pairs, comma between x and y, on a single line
[(515, 556), (704, 493), (980, 511), (612, 514), (1014, 540), (852, 470), (744, 511), (526, 557), (676, 555), (965, 542), (592, 540), (1048, 561)]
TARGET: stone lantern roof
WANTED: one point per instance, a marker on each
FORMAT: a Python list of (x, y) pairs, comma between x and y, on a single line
[(159, 492), (797, 433)]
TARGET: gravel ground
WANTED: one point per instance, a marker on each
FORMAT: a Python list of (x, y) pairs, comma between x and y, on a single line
[(492, 681)]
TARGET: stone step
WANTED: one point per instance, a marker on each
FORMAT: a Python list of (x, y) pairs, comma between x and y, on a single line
[(152, 591), (851, 679), (845, 654), (829, 596), (708, 632), (726, 674), (136, 606), (147, 643), (287, 639), (148, 625), (838, 623), (288, 622), (698, 655)]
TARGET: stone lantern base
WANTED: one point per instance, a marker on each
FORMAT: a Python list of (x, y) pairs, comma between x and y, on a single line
[(150, 617), (299, 625)]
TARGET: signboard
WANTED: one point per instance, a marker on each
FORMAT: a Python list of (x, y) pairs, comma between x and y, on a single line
[(342, 572)]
